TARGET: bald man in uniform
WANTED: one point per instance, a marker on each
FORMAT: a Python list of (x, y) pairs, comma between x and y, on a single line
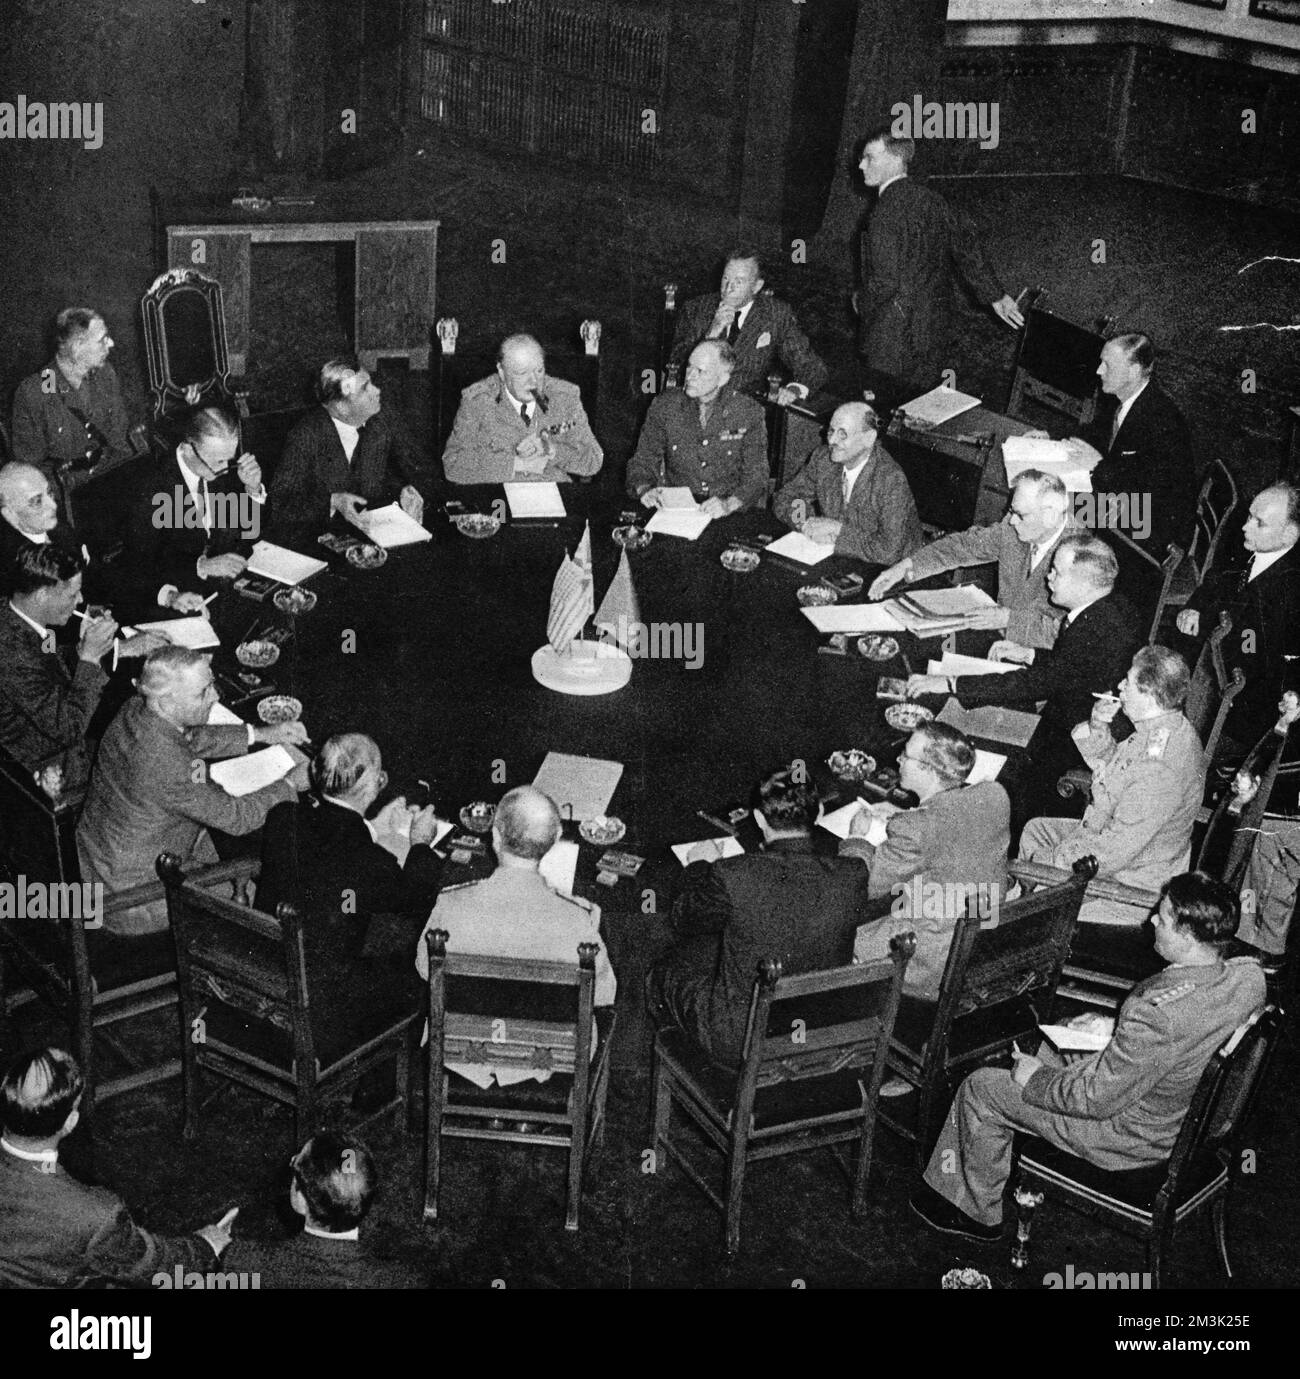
[(518, 426), (851, 495), (1118, 1108)]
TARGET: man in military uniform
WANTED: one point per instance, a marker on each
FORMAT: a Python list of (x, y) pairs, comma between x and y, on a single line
[(1146, 790), (1118, 1108), (705, 437), (518, 426)]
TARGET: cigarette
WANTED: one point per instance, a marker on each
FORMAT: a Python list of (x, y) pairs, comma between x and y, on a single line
[(77, 613), (1115, 697), (209, 599)]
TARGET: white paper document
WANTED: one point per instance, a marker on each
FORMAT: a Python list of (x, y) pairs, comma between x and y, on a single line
[(221, 717), (939, 405), (730, 848), (953, 663), (680, 497), (390, 526), (535, 500), (684, 522), (1052, 457), (275, 562), (1069, 1040), (853, 618), (944, 603), (586, 784), (989, 721), (559, 866), (195, 633), (987, 765), (242, 775), (795, 545), (839, 820)]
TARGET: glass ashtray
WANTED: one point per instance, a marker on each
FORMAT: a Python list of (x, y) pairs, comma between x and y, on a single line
[(257, 654), (366, 557), (294, 600), (739, 560), (632, 537), (816, 595), (478, 817), (853, 764), (279, 708)]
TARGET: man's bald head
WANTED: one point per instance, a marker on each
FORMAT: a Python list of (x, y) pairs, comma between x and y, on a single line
[(527, 825), (521, 364), (177, 685), (851, 433), (1273, 523), (26, 499)]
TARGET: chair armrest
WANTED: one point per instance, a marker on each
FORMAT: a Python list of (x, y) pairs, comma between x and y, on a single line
[(214, 874), (1040, 874), (1133, 546)]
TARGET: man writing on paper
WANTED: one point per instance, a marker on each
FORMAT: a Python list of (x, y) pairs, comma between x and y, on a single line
[(1121, 1107), (705, 437), (518, 426), (852, 495), (1021, 544), (150, 791), (1098, 637), (758, 328), (342, 457)]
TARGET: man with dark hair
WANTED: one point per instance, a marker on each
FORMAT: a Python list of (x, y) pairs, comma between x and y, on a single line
[(759, 327), (1118, 1108), (342, 457), (1146, 790), (704, 436), (951, 849), (851, 494), (519, 426), (1141, 447), (913, 246), (57, 1232), (785, 903)]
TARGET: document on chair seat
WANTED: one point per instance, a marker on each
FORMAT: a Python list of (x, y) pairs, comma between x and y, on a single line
[(795, 545), (853, 618), (582, 785), (275, 562), (1069, 1040), (953, 663), (242, 775), (939, 405), (194, 633), (989, 721), (390, 526), (1052, 457), (535, 500), (730, 848), (683, 522)]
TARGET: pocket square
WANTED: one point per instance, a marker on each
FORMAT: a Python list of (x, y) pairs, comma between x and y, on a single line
[(763, 340)]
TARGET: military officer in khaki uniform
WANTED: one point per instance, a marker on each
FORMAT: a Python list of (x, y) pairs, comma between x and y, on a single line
[(518, 426), (1122, 1106), (704, 437), (1145, 790)]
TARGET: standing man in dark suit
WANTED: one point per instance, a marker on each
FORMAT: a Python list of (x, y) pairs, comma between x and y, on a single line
[(759, 328), (342, 457), (911, 250), (1263, 598), (785, 903), (1141, 448), (852, 495), (59, 1233)]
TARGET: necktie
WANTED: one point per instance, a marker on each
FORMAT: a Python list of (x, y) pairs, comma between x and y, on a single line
[(206, 510), (846, 487), (733, 330), (1114, 426), (523, 412)]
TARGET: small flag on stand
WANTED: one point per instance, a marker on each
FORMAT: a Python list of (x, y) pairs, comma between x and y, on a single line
[(582, 556), (619, 611), (571, 603)]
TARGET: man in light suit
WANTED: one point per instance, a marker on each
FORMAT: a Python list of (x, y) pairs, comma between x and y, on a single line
[(1021, 545), (59, 1233), (518, 426), (957, 838), (852, 495), (784, 903), (342, 457), (150, 793), (757, 326)]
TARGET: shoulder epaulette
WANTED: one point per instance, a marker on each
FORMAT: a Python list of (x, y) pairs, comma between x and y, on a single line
[(1172, 993)]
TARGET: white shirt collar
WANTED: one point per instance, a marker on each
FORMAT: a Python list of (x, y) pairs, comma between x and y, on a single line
[(192, 480), (1258, 563), (1044, 545), (849, 477), (1074, 612), (518, 402), (32, 1156), (881, 188), (36, 627), (1127, 405), (349, 435), (353, 1234)]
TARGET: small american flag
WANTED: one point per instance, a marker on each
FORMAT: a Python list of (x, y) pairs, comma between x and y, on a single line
[(572, 603)]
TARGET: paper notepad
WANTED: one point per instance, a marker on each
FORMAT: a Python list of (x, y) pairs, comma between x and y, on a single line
[(585, 783), (944, 603), (853, 618), (730, 848), (796, 546), (1052, 457), (681, 497), (987, 765), (1069, 1040), (195, 633), (242, 775), (939, 405), (952, 663), (684, 522), (839, 820), (989, 721), (275, 562), (390, 526), (221, 717), (559, 866), (535, 500)]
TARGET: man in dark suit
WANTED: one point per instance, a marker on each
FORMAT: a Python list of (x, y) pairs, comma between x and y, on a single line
[(1141, 450), (333, 1186), (59, 1233), (932, 859), (192, 517), (784, 903), (852, 495), (912, 248), (342, 457), (1262, 596), (759, 328)]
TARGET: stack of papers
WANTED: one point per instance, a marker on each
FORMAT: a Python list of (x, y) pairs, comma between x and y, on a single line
[(839, 820), (390, 526), (683, 522), (1068, 1040), (1052, 457), (986, 768), (242, 775), (853, 618), (730, 848), (535, 500), (581, 787), (952, 663), (935, 612), (938, 405), (275, 562), (196, 632), (996, 724), (796, 546)]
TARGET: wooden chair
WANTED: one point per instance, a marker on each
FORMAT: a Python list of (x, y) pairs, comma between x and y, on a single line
[(1055, 369), (668, 372), (1215, 504), (810, 1075), (185, 344), (249, 1013), (1151, 1203), (513, 1014), (998, 983)]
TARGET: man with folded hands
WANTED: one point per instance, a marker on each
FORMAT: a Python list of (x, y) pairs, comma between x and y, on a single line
[(150, 790), (1121, 1107)]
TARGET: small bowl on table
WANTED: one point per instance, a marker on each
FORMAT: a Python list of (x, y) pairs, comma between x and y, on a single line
[(740, 560), (816, 595), (603, 830), (279, 708), (878, 647), (852, 765), (257, 654), (366, 557), (632, 538), (477, 525), (294, 600), (479, 816), (906, 718)]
